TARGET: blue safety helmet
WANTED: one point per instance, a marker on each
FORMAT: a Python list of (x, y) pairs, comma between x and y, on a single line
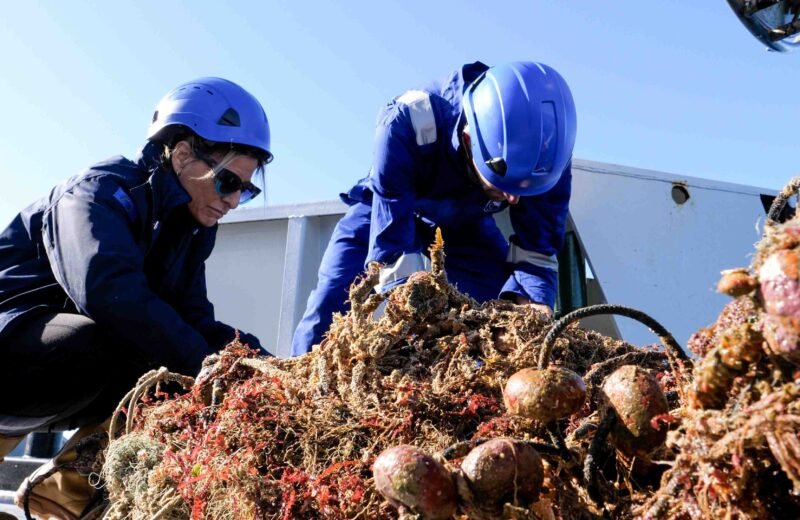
[(217, 110), (522, 126)]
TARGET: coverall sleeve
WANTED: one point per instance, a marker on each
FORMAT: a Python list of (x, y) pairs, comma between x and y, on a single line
[(393, 240), (199, 313), (538, 222), (95, 258)]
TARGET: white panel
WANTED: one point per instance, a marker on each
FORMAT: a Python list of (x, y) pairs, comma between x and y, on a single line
[(653, 254), (244, 276)]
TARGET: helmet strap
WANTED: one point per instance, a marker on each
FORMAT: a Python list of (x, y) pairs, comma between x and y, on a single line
[(466, 153)]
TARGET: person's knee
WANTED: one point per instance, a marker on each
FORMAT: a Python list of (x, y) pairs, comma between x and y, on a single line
[(77, 333)]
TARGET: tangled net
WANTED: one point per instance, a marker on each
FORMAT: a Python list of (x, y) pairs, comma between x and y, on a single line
[(257, 437), (658, 436)]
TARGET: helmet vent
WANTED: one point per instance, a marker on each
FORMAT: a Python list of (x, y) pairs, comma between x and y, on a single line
[(155, 116), (549, 139), (498, 165), (230, 118)]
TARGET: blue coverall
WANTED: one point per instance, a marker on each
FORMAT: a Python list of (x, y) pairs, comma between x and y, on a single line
[(419, 180)]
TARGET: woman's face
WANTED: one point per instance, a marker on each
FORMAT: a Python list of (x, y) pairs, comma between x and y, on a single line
[(195, 175)]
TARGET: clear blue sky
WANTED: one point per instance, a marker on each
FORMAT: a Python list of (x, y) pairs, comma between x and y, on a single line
[(677, 85)]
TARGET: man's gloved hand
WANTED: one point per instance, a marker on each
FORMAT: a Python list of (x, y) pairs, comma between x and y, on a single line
[(538, 307), (542, 308)]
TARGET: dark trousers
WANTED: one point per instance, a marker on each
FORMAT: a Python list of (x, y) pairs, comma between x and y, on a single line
[(59, 372)]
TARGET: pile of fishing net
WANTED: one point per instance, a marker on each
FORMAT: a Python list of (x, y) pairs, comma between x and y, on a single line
[(443, 408), (440, 408)]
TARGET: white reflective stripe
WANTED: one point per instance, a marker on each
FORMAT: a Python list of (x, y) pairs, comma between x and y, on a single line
[(517, 255), (404, 267), (422, 118)]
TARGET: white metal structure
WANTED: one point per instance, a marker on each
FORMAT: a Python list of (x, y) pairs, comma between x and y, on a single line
[(648, 246)]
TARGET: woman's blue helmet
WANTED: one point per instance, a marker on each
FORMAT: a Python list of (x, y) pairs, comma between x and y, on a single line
[(217, 110), (522, 126)]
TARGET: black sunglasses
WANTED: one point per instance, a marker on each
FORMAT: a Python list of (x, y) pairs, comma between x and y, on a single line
[(226, 182)]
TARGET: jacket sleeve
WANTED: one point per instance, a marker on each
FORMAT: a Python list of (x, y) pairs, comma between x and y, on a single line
[(397, 154), (538, 223), (94, 256), (199, 312)]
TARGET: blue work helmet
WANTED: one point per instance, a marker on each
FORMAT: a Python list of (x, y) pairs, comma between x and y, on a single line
[(217, 110), (522, 126)]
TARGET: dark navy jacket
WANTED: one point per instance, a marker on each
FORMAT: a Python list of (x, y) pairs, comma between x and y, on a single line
[(420, 173), (117, 244)]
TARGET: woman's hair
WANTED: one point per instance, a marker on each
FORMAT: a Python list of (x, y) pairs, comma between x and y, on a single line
[(229, 151)]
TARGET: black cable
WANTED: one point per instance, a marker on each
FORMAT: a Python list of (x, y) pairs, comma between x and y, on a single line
[(608, 308), (557, 438), (637, 357), (590, 467)]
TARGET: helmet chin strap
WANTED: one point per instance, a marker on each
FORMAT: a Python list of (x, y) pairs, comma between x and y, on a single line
[(466, 153)]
